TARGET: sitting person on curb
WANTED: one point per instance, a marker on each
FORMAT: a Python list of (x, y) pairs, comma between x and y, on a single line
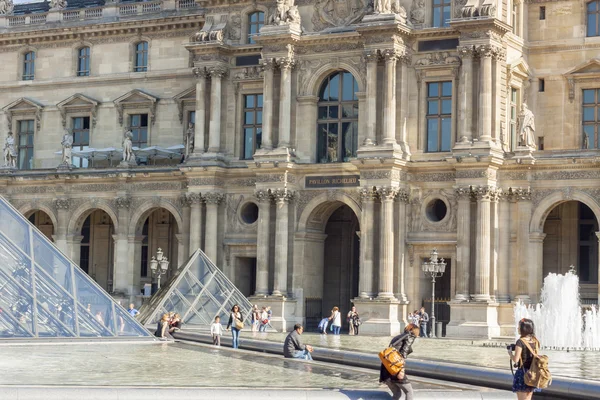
[(399, 383), (293, 346), (175, 324)]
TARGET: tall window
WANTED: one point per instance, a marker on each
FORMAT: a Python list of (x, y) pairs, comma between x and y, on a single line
[(514, 101), (81, 139), (141, 57), (83, 61), (593, 18), (253, 104), (439, 116), (144, 258), (26, 130), (255, 21), (441, 13), (337, 124), (591, 118), (192, 117), (29, 66), (514, 19), (84, 251), (139, 128)]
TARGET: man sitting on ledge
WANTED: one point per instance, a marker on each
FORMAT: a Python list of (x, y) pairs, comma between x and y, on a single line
[(293, 346)]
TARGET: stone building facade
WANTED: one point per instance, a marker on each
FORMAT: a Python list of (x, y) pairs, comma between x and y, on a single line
[(329, 147)]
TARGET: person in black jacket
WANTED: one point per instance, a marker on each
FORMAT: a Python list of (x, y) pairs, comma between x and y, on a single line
[(399, 384)]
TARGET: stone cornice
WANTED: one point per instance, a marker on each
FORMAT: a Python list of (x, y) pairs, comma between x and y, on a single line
[(480, 29)]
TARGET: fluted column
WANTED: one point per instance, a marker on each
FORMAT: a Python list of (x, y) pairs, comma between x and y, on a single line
[(523, 198), (285, 102), (372, 58), (212, 199), (214, 131), (401, 201), (123, 270), (485, 93), (263, 242), (389, 108), (365, 280), (283, 197), (465, 94), (405, 62), (200, 118), (483, 195), (196, 220), (60, 233), (386, 242), (463, 242), (504, 250), (267, 124)]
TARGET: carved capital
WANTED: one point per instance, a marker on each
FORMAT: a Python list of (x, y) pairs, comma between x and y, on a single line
[(390, 55), (466, 51), (213, 198), (218, 71), (519, 194), (485, 51), (367, 194), (286, 63), (200, 72), (268, 64), (402, 196), (122, 202), (62, 204), (194, 198), (387, 193), (485, 193), (263, 196), (463, 192), (371, 56), (283, 195)]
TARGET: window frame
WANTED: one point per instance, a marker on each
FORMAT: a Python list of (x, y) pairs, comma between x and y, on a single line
[(513, 115), (258, 24), (136, 129), (254, 126), (86, 58), (588, 13), (440, 115), (594, 142), (78, 161), (441, 8), (28, 73), (145, 52), (28, 145)]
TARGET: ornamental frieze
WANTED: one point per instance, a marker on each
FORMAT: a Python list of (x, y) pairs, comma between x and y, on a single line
[(154, 186), (206, 182), (330, 13), (512, 175), (432, 177), (272, 178), (475, 173), (566, 175), (384, 174)]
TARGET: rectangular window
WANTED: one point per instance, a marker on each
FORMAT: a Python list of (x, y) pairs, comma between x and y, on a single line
[(192, 117), (144, 258), (593, 18), (441, 13), (29, 66), (84, 251), (439, 116), (81, 139), (540, 143), (514, 18), (591, 118), (138, 124), (514, 99), (542, 85), (83, 62), (141, 57), (252, 124), (542, 13), (26, 131)]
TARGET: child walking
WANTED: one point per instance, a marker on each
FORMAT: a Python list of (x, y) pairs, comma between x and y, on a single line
[(216, 330)]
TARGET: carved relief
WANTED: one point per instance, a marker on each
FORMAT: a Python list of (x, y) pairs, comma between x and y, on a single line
[(206, 182), (458, 6), (439, 58), (417, 12), (6, 7), (329, 13), (250, 73)]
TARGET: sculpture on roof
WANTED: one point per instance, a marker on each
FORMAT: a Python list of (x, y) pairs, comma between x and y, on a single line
[(67, 146), (58, 4), (10, 153), (285, 14), (6, 7)]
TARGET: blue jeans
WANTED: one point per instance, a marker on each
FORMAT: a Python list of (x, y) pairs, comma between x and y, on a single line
[(423, 330), (303, 354), (336, 330), (235, 332)]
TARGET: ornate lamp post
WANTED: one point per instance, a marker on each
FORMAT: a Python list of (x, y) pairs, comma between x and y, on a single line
[(157, 261), (434, 268)]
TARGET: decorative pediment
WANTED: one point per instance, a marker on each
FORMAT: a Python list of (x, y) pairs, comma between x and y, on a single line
[(187, 97), (518, 69), (24, 106), (136, 99), (588, 71), (78, 103)]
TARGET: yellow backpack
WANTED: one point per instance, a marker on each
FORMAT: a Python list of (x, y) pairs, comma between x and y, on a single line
[(538, 375), (392, 360)]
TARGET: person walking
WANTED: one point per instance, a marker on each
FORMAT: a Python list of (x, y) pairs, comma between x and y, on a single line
[(293, 346), (255, 318), (424, 320), (336, 320), (236, 323), (353, 321), (524, 357), (264, 320), (400, 384), (216, 330)]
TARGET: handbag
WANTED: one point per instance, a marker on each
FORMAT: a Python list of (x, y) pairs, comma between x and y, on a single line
[(238, 324)]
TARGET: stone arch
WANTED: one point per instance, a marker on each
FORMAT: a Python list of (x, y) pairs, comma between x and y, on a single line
[(316, 80), (315, 215), (145, 209), (538, 217), (81, 213), (28, 208)]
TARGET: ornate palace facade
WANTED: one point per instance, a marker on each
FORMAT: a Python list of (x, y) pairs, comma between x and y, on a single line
[(329, 146)]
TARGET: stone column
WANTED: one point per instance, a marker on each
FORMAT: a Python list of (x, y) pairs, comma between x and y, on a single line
[(285, 102), (463, 243), (389, 108), (372, 58), (214, 132), (123, 269), (60, 233), (536, 274), (386, 242), (483, 195), (504, 250), (134, 258), (465, 95), (485, 93), (267, 125), (598, 236), (401, 200), (365, 279), (283, 197), (523, 198), (405, 62), (196, 221), (74, 244), (263, 242), (211, 245), (200, 119)]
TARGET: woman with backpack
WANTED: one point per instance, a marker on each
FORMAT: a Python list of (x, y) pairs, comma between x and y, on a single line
[(524, 357), (399, 383)]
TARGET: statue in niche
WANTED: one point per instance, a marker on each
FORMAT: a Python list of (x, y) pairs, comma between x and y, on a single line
[(6, 7), (67, 146), (586, 141), (10, 153), (128, 156), (189, 140), (526, 127)]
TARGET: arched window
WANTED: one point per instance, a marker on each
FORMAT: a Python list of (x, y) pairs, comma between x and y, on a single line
[(29, 66), (593, 18), (83, 61), (337, 120), (141, 57), (255, 21)]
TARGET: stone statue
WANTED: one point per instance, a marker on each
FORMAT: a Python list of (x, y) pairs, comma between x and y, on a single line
[(10, 153), (285, 13), (128, 156), (189, 140), (417, 12), (526, 127), (58, 4), (67, 145), (6, 7), (389, 7), (586, 141)]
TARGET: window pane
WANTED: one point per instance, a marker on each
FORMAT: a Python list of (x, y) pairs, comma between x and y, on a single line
[(324, 94), (322, 113), (258, 137), (248, 143), (135, 120), (588, 96), (259, 101), (350, 111), (433, 90), (322, 143), (348, 87), (446, 89), (261, 16), (333, 112), (588, 130), (432, 134), (446, 106), (446, 15), (144, 119), (254, 17), (248, 118), (334, 87), (259, 118), (249, 101), (446, 133), (591, 6), (591, 25), (437, 18), (332, 142), (432, 107), (588, 113)]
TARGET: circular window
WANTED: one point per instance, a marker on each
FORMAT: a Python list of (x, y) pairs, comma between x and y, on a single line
[(249, 213), (436, 210)]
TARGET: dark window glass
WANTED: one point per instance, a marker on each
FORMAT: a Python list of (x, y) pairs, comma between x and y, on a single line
[(542, 85), (591, 118), (29, 66), (252, 124), (141, 57), (139, 129), (243, 61), (83, 62), (439, 116), (84, 252), (144, 258), (337, 118), (255, 21), (441, 13), (432, 45), (514, 96), (26, 131), (593, 18), (81, 139), (542, 13)]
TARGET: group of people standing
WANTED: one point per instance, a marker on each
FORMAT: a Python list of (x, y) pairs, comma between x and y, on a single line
[(420, 318), (334, 322), (261, 319)]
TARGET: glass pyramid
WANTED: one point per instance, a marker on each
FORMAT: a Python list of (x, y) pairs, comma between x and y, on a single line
[(199, 291), (45, 295)]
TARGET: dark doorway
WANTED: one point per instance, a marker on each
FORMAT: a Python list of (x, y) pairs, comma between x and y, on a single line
[(245, 275), (443, 294), (340, 271)]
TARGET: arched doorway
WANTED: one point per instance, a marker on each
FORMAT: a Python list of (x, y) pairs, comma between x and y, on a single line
[(42, 221), (96, 249), (571, 239)]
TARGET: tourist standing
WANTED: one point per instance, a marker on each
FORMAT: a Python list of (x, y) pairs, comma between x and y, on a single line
[(255, 318), (424, 320), (293, 346), (264, 320), (399, 384), (524, 357), (236, 323), (216, 330), (336, 320), (353, 321), (132, 311)]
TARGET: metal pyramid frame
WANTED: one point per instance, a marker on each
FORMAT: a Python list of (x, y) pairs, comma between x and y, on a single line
[(43, 294), (199, 291)]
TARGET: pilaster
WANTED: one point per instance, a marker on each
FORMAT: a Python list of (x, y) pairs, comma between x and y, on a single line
[(62, 206), (123, 270), (463, 251), (283, 197), (195, 200), (263, 241), (365, 281), (212, 199), (386, 243)]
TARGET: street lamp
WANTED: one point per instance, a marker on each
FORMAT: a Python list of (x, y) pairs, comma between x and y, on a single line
[(157, 261), (434, 268)]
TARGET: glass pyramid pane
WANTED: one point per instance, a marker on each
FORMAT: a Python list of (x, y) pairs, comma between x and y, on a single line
[(54, 299), (53, 262), (90, 326), (125, 327), (11, 328), (14, 263), (96, 302), (49, 326), (14, 226), (16, 302)]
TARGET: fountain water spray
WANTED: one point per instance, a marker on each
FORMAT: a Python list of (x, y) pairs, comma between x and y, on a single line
[(559, 323)]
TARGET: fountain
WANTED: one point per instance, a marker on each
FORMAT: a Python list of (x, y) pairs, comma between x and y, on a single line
[(559, 321)]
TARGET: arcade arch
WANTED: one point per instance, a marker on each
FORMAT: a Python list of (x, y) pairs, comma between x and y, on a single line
[(43, 221)]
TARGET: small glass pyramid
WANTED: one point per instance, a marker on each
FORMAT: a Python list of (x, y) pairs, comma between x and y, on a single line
[(199, 291), (45, 295)]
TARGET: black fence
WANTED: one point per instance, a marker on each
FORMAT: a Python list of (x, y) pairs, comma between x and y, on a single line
[(442, 312), (313, 307)]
